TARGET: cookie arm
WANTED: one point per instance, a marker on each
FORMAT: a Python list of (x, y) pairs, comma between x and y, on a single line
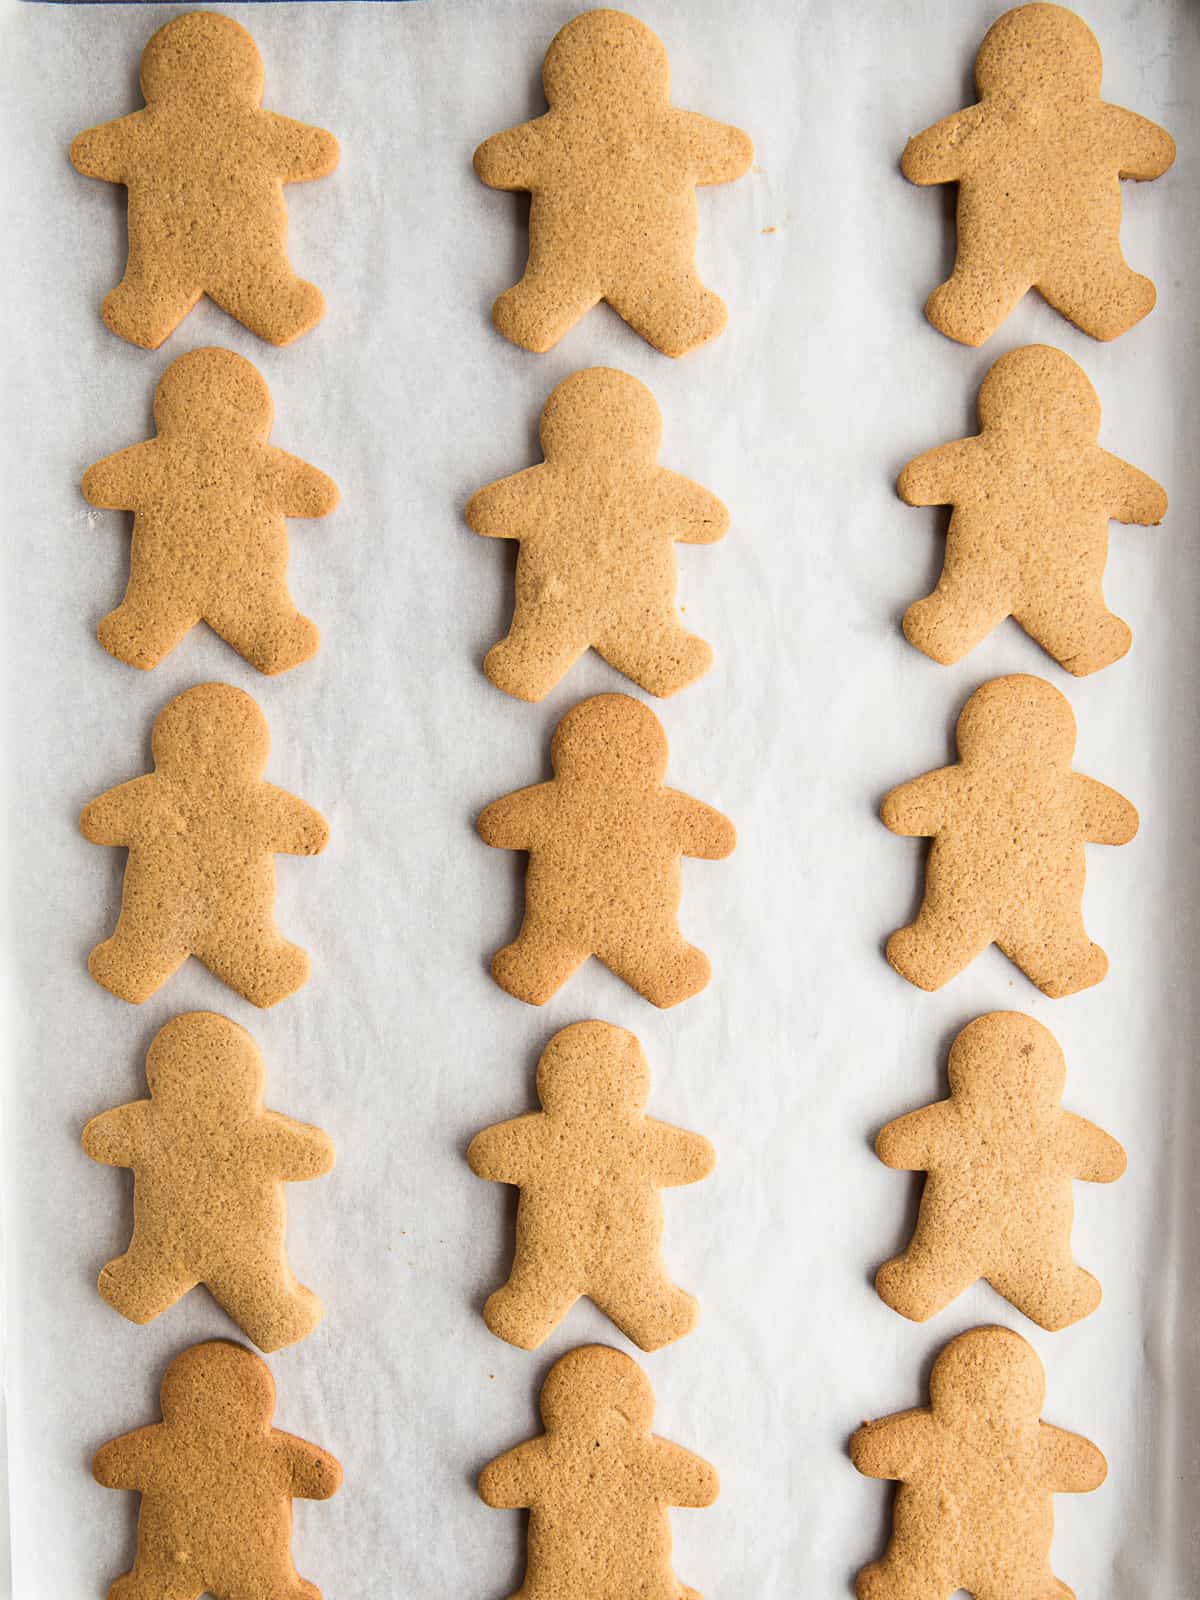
[(932, 479), (508, 1482), (715, 152), (510, 823), (290, 825), (683, 1479), (937, 155), (114, 483), (676, 1155), (303, 490), (509, 160), (1141, 148), (1071, 1464), (910, 1143), (115, 1137), (918, 809), (1088, 1152), (892, 1447), (298, 1150), (130, 1461), (107, 151), (311, 1473), (695, 516), (299, 152), (502, 510), (112, 817), (1105, 817), (501, 1153), (1133, 496), (699, 829)]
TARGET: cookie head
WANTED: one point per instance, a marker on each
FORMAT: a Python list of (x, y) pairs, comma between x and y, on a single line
[(597, 1391), (593, 1069), (601, 413), (1040, 392), (1017, 723), (608, 58), (1039, 52), (610, 739), (218, 1387), (1006, 1059), (207, 392), (213, 730), (205, 59), (989, 1376), (204, 1058)]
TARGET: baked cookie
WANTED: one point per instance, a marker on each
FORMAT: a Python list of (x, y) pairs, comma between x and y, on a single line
[(1000, 1155), (597, 524), (612, 168), (210, 498), (978, 1470), (1032, 494), (1038, 163), (201, 830), (605, 842), (209, 1166), (589, 1166), (205, 167), (597, 1484), (217, 1483), (1008, 822)]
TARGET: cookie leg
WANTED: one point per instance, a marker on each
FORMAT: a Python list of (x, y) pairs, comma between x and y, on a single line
[(530, 1305), (274, 303), (155, 1577), (661, 657), (269, 1310), (1099, 293), (937, 946), (924, 1280), (978, 295), (669, 307), (256, 962), (146, 626), (546, 304), (1071, 622), (534, 656), (647, 1307), (140, 1287), (135, 962), (1055, 953), (662, 966), (1052, 1294), (147, 306), (264, 627), (537, 963), (972, 597), (895, 1578)]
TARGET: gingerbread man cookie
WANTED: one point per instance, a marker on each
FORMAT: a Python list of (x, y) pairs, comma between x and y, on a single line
[(589, 1166), (217, 1483), (978, 1471), (597, 1485), (205, 167), (209, 498), (605, 841), (1038, 163), (201, 830), (1008, 824), (612, 168), (1000, 1155), (597, 524), (209, 1166), (1028, 538)]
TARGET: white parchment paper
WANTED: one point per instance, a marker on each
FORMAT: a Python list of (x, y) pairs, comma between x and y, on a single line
[(827, 380)]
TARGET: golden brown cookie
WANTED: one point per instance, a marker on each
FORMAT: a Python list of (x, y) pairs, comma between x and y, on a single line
[(612, 168), (589, 1166), (597, 1484), (205, 167), (201, 831), (1032, 494), (605, 842), (217, 1483), (1038, 163), (1008, 822), (209, 1166), (597, 524), (978, 1471), (1000, 1155), (210, 498)]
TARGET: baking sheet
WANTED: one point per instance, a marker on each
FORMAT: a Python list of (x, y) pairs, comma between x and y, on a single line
[(826, 381)]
